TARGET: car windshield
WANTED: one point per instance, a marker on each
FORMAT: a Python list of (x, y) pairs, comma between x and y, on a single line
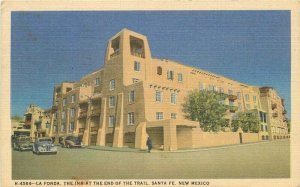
[(45, 140), (24, 139), (74, 139)]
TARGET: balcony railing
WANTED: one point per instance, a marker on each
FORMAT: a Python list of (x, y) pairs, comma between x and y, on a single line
[(284, 111), (274, 105), (58, 96), (275, 114), (94, 129), (81, 130), (232, 97), (95, 112), (82, 114), (54, 108), (27, 122)]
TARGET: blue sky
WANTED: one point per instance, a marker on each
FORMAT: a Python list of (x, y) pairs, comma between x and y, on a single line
[(252, 47)]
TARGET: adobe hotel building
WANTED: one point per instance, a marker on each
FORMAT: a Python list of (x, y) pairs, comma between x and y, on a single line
[(134, 95)]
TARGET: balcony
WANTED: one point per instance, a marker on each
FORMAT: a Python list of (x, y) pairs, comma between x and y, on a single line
[(233, 109), (27, 122), (274, 105), (81, 130), (275, 115), (82, 114), (232, 97), (54, 108), (94, 129), (58, 96), (97, 89), (95, 112)]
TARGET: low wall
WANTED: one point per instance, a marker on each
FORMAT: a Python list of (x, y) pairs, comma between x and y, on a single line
[(250, 137), (210, 139)]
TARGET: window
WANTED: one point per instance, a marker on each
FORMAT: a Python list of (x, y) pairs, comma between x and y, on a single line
[(173, 115), (112, 101), (159, 70), (131, 118), (137, 66), (62, 127), (180, 78), (72, 112), (254, 99), (202, 86), (238, 94), (134, 80), (97, 81), (73, 98), (131, 96), (210, 87), (63, 115), (231, 103), (173, 98), (240, 106), (230, 92), (221, 90), (159, 116), (261, 115), (247, 97), (248, 106), (112, 84), (265, 118), (111, 122), (71, 127), (266, 128), (262, 128), (170, 75), (158, 96), (64, 102)]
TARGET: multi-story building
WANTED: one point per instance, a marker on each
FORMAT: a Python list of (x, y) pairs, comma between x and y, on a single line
[(37, 120), (133, 95), (274, 105)]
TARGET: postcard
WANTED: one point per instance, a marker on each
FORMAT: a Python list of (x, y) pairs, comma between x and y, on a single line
[(150, 93)]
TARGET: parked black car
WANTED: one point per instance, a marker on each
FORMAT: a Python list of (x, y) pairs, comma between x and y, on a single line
[(22, 143), (71, 141)]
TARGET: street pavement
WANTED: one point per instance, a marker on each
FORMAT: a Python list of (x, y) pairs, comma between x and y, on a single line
[(257, 160)]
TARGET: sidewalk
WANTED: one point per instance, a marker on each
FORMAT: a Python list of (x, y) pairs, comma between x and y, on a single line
[(126, 149)]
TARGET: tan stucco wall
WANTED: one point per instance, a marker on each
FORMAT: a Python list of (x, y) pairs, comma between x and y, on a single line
[(250, 137), (208, 139)]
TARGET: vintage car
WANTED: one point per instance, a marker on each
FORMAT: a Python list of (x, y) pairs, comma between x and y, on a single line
[(44, 145), (22, 143), (71, 141)]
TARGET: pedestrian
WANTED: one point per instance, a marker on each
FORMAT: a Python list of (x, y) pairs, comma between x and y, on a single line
[(149, 144)]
